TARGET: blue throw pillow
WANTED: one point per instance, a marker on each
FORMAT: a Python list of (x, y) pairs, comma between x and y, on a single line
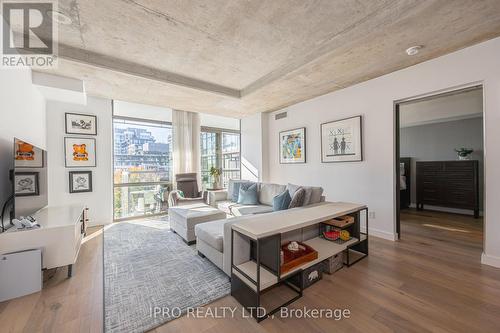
[(281, 201), (248, 194), (236, 191)]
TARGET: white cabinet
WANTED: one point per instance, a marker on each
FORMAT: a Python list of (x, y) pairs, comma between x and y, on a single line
[(20, 274), (59, 237)]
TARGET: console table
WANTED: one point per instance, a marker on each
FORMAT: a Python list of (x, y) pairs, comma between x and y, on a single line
[(256, 246), (59, 237)]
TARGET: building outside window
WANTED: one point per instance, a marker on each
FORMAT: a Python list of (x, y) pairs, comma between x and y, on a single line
[(220, 148), (142, 167)]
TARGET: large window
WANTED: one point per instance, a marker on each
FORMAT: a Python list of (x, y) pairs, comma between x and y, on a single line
[(142, 167), (221, 149)]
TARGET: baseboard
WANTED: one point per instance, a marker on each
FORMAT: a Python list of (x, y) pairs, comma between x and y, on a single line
[(490, 260), (448, 210), (382, 234)]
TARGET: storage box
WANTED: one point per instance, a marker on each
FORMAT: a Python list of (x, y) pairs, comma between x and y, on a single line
[(334, 263), (341, 222), (292, 259), (309, 276)]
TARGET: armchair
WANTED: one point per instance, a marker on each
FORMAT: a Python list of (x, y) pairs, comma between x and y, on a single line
[(187, 191)]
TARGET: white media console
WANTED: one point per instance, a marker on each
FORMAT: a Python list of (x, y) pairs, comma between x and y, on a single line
[(59, 237)]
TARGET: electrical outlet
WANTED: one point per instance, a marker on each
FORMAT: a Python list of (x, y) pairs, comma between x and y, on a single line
[(371, 215)]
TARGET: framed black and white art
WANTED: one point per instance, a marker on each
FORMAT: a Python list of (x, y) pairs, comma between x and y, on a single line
[(80, 181), (77, 123), (80, 152), (26, 184), (341, 140)]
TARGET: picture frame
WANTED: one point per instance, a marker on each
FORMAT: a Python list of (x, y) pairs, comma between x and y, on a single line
[(27, 155), (292, 146), (81, 124), (26, 184), (80, 152), (80, 181), (342, 140)]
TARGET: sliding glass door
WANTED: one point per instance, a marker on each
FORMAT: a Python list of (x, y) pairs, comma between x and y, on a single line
[(142, 167)]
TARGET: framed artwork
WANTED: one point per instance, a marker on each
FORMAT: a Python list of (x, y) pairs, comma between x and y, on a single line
[(293, 146), (85, 124), (80, 152), (27, 156), (341, 140), (80, 181), (26, 184)]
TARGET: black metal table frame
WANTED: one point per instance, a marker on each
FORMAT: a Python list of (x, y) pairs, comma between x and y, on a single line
[(360, 246)]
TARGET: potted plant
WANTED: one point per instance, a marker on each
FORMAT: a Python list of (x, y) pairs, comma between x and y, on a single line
[(215, 173), (464, 153)]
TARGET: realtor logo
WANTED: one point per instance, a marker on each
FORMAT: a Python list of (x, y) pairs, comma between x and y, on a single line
[(28, 34)]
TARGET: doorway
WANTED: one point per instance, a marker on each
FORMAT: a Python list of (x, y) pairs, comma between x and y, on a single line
[(440, 166)]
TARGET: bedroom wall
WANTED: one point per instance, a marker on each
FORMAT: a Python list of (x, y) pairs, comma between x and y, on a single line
[(372, 181), (436, 142)]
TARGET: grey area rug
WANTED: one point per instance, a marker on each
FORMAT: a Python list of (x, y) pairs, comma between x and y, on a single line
[(146, 266)]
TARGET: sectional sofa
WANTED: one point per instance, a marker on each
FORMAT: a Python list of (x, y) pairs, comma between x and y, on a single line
[(213, 239)]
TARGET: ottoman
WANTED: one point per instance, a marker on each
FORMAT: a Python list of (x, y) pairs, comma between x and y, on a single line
[(184, 218)]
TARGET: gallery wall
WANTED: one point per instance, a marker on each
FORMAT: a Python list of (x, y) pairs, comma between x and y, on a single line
[(100, 200), (372, 181)]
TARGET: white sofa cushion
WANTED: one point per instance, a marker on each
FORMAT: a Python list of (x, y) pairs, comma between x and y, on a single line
[(225, 206), (240, 210), (316, 193), (211, 233), (268, 191)]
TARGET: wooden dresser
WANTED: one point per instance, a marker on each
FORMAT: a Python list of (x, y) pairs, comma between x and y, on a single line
[(453, 184)]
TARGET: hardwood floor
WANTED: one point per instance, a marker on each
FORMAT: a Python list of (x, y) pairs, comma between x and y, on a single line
[(63, 305), (430, 281)]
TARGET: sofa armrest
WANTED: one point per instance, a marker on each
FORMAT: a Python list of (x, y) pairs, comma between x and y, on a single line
[(214, 196), (189, 201)]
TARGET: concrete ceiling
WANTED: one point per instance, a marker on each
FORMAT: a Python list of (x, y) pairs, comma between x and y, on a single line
[(238, 57)]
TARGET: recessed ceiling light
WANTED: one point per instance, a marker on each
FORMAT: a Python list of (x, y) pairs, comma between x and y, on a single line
[(413, 50), (59, 17)]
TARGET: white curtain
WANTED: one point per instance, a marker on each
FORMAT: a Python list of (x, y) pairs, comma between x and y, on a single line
[(186, 143)]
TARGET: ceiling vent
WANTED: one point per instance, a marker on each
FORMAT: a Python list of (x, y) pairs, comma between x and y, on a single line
[(280, 115)]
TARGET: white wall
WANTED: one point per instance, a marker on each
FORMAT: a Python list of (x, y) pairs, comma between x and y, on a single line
[(373, 181), (463, 105), (143, 111), (22, 115), (100, 200), (253, 147)]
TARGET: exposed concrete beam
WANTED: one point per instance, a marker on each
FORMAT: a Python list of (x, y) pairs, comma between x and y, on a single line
[(135, 69)]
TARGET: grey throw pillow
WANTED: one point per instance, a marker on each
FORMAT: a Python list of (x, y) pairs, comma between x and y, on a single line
[(298, 198)]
